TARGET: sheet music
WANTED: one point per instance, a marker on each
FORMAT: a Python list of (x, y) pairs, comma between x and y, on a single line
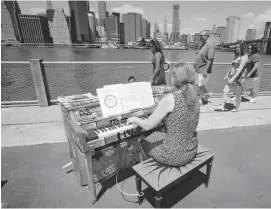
[(120, 98), (129, 98), (110, 101), (143, 93)]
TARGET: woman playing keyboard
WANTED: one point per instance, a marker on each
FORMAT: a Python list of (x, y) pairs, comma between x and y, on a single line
[(180, 112)]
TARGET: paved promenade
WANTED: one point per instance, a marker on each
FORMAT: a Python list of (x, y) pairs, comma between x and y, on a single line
[(36, 125), (32, 176), (240, 176)]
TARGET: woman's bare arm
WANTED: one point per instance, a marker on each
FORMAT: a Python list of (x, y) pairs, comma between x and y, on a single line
[(164, 107), (157, 66)]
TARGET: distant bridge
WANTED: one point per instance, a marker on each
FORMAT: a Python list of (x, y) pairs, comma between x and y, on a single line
[(263, 44)]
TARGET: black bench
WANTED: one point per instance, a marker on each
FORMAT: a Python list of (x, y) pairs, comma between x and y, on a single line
[(161, 178)]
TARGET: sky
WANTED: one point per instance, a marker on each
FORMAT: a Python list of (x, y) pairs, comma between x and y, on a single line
[(194, 15)]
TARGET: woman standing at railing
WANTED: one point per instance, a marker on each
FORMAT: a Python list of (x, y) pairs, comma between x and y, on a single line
[(252, 67), (158, 77), (235, 77)]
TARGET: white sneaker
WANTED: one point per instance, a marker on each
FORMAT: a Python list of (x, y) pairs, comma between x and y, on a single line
[(252, 100), (233, 99)]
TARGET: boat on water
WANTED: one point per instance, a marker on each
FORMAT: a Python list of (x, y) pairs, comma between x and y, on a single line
[(176, 46), (110, 45), (107, 46), (142, 47)]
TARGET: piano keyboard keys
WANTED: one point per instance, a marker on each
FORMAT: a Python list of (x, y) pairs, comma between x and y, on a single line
[(112, 130)]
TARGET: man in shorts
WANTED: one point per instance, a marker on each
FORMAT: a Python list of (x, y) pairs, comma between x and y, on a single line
[(203, 65)]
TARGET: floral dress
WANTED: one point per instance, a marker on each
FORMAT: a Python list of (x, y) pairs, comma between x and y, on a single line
[(178, 146), (240, 80)]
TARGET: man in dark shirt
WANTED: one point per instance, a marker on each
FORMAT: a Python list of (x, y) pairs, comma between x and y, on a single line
[(203, 63), (252, 67)]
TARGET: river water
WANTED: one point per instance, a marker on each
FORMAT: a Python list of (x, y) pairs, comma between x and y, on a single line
[(88, 54), (67, 79)]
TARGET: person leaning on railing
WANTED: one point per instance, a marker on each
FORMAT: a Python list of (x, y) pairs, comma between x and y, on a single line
[(180, 111), (252, 68), (158, 77), (131, 79), (235, 77)]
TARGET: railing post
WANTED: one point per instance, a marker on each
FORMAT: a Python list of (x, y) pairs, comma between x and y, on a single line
[(258, 83), (40, 82)]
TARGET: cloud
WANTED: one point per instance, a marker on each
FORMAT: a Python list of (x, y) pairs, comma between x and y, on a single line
[(248, 15), (251, 26), (203, 19), (258, 22), (188, 30), (125, 8), (35, 11), (264, 17)]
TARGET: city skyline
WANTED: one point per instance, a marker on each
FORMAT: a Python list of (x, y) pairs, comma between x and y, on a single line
[(253, 14)]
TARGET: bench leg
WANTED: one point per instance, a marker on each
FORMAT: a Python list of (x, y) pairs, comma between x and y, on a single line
[(158, 200), (139, 188), (208, 172)]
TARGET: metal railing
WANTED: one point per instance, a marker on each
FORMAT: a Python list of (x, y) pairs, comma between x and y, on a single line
[(41, 82)]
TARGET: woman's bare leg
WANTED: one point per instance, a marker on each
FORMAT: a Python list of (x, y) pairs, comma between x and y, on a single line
[(226, 90), (224, 98), (238, 97)]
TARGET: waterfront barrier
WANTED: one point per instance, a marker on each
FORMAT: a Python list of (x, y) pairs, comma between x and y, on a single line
[(38, 82)]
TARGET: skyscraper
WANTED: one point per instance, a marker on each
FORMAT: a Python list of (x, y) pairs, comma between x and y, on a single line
[(122, 35), (112, 28), (102, 12), (6, 24), (197, 39), (148, 30), (176, 23), (267, 30), (132, 26), (165, 38), (35, 29), (232, 29), (49, 4), (184, 39), (50, 14), (14, 11), (155, 27), (144, 28), (92, 25), (59, 28), (138, 26), (222, 33), (251, 34), (79, 21), (165, 25), (117, 15)]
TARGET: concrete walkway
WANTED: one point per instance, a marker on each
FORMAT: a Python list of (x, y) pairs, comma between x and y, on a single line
[(34, 178), (240, 176), (32, 125)]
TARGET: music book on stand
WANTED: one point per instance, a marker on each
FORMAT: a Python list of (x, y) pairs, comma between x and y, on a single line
[(120, 98)]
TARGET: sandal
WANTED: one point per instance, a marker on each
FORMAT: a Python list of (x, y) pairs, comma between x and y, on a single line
[(219, 108)]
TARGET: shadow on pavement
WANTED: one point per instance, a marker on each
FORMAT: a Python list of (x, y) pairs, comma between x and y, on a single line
[(3, 183), (110, 182), (179, 191)]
